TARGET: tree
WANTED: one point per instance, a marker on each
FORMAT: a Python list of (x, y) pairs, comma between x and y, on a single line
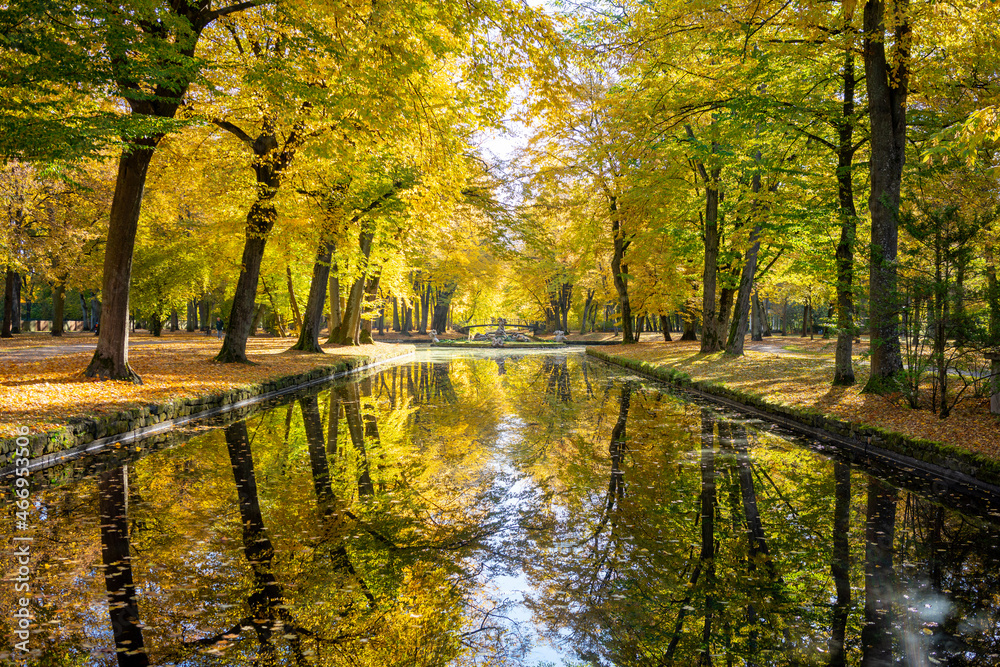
[(887, 80)]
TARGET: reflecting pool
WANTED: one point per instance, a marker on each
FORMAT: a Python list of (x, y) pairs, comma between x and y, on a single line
[(498, 508)]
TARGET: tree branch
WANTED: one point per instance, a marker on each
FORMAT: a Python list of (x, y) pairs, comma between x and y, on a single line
[(235, 131)]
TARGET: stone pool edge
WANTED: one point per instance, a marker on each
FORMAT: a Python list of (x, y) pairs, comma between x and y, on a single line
[(81, 436), (937, 457)]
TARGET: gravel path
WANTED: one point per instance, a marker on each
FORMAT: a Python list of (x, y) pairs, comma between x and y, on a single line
[(41, 352)]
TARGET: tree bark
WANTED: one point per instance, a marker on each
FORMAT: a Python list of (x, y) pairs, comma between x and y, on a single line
[(155, 324), (887, 84), (110, 361), (619, 272), (444, 294), (11, 313), (296, 313), (58, 306), (313, 320), (336, 317), (586, 309), (690, 325), (993, 295), (260, 220), (204, 308), (665, 326), (425, 306), (757, 331), (843, 373), (350, 324), (712, 320), (741, 316), (368, 303)]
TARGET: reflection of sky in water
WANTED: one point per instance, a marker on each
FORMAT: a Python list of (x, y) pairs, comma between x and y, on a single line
[(510, 589)]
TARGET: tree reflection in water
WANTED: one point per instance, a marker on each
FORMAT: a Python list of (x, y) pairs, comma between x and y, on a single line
[(448, 511), (117, 563)]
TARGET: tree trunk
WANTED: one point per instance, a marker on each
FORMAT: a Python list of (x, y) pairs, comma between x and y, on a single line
[(260, 220), (843, 372), (396, 326), (565, 300), (335, 314), (312, 322), (110, 361), (174, 320), (619, 272), (17, 320), (993, 295), (85, 309), (440, 320), (368, 303), (296, 314), (11, 305), (258, 314), (757, 331), (586, 309), (95, 314), (192, 315), (665, 326), (690, 325), (711, 318), (204, 308), (10, 314), (425, 304), (58, 306), (155, 324), (347, 333), (741, 316), (887, 85)]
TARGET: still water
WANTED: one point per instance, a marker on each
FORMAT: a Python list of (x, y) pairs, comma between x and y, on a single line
[(499, 509)]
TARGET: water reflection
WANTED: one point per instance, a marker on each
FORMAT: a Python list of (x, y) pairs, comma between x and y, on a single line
[(504, 509), (117, 563)]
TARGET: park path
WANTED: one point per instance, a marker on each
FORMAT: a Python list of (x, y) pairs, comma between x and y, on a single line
[(41, 352)]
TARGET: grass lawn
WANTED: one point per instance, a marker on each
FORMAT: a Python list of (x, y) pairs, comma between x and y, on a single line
[(798, 371), (46, 393)]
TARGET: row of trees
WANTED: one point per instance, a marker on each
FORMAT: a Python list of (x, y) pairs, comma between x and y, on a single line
[(700, 163), (340, 132), (714, 156)]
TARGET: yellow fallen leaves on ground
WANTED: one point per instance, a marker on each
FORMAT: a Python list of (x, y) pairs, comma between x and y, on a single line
[(45, 393), (798, 372)]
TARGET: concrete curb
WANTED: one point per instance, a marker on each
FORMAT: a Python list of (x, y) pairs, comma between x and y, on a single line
[(934, 458), (89, 436)]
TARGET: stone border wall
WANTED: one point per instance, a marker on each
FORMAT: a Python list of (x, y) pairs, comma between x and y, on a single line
[(935, 457), (84, 436)]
